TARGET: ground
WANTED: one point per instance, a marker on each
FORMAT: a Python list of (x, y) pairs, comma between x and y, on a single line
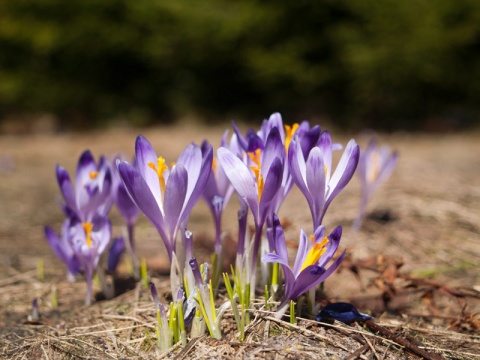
[(414, 265)]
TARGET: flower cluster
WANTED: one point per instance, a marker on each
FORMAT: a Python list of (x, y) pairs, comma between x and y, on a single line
[(86, 230), (260, 167)]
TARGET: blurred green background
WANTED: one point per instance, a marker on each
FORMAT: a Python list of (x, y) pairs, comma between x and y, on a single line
[(390, 65)]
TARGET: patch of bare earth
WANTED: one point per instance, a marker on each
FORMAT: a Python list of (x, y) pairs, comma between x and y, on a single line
[(414, 265)]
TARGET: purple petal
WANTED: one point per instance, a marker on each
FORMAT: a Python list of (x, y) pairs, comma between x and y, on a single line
[(279, 238), (274, 258), (175, 193), (272, 184), (325, 146), (144, 155), (273, 148), (66, 187), (344, 171), (309, 139), (254, 141), (86, 165), (66, 255), (311, 276), (143, 197), (303, 246), (241, 178), (332, 246), (101, 234), (126, 206), (388, 166), (287, 272), (199, 183), (298, 171), (275, 121), (115, 252), (153, 291), (316, 183), (241, 140)]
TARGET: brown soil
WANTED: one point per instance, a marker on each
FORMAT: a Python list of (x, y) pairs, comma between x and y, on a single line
[(415, 264)]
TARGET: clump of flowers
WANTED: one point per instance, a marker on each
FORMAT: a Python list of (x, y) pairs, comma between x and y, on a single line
[(86, 231), (260, 168)]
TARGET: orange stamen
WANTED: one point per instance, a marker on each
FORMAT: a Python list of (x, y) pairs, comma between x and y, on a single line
[(289, 132), (256, 168), (214, 165), (93, 174), (160, 169), (88, 226), (315, 253)]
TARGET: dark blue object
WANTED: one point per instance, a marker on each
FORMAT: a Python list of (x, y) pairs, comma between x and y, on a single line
[(341, 311)]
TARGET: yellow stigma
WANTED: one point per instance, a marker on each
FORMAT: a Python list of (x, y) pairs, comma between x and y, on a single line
[(289, 132), (160, 169), (373, 167), (315, 253), (214, 165), (256, 158), (88, 226), (93, 174)]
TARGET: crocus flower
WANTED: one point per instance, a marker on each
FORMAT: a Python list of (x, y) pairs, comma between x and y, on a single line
[(63, 248), (91, 195), (125, 205), (204, 297), (166, 196), (313, 173), (129, 212), (310, 267), (258, 182), (375, 166), (307, 136), (219, 190), (89, 240)]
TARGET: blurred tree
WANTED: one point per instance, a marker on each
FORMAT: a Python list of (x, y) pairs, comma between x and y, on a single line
[(388, 64), (408, 61)]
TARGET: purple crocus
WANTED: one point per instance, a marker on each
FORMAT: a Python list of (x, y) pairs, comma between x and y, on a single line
[(312, 173), (125, 205), (219, 190), (129, 212), (62, 247), (310, 267), (166, 196), (256, 182), (86, 231), (89, 240), (375, 166), (307, 136), (91, 195)]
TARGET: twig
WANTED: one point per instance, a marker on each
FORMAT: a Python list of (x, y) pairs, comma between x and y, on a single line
[(436, 285), (402, 341), (372, 347), (44, 352), (188, 348), (266, 330), (305, 331), (360, 351)]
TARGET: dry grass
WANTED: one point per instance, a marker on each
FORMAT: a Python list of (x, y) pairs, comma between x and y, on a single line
[(125, 328), (418, 273)]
